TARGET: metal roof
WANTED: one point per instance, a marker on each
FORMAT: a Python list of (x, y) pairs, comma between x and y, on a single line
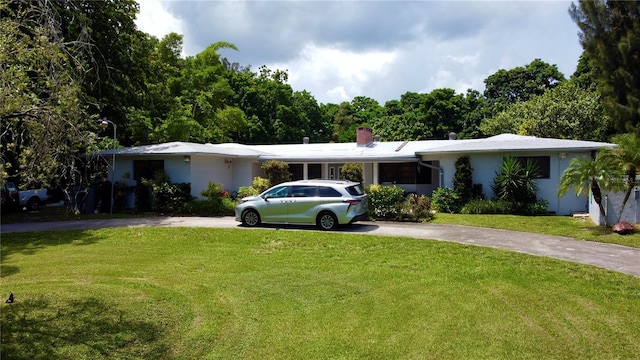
[(514, 143), (375, 151)]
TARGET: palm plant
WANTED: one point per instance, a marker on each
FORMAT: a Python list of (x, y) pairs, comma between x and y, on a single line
[(591, 173), (627, 155), (516, 182)]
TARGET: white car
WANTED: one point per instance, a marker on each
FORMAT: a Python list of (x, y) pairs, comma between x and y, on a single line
[(325, 203)]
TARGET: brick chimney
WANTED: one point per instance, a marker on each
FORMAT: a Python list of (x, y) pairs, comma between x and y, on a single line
[(364, 136)]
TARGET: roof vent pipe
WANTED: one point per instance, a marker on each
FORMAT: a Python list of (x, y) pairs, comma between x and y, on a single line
[(376, 138), (305, 140), (453, 136)]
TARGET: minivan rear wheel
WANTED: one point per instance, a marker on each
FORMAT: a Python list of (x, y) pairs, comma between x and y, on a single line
[(327, 221), (250, 218)]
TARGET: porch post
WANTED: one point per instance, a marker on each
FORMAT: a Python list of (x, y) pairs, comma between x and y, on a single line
[(305, 171), (375, 173)]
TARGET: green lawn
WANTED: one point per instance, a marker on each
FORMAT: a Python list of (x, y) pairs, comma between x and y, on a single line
[(551, 225), (195, 293)]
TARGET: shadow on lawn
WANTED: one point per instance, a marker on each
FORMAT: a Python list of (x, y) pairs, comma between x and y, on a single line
[(84, 328), (30, 243)]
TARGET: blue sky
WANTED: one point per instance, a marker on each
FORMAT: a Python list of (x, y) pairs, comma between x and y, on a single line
[(337, 50)]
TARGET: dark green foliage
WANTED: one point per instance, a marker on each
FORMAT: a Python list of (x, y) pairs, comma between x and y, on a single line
[(226, 207), (497, 206), (216, 197), (277, 171), (385, 202), (609, 35), (507, 87), (463, 179), (445, 199), (416, 208), (516, 182), (171, 198), (352, 172), (487, 206)]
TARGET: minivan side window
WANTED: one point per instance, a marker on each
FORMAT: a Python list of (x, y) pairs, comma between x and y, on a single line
[(324, 191), (278, 192), (303, 191)]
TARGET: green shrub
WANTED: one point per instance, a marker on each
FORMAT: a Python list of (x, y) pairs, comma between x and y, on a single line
[(481, 206), (258, 187), (497, 206), (216, 196), (516, 181), (463, 179), (445, 200), (226, 207), (540, 207), (277, 171), (385, 201), (416, 208), (171, 198), (352, 172)]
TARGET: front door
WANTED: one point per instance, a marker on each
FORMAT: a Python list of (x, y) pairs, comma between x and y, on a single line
[(335, 171)]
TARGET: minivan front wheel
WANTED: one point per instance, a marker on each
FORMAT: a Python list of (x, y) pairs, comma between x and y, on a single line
[(327, 221), (250, 218)]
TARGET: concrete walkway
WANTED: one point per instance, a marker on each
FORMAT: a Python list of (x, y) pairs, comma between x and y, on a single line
[(608, 256)]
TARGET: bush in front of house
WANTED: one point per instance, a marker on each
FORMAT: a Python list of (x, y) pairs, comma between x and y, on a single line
[(463, 179), (277, 171), (352, 172), (486, 206), (497, 206), (416, 208), (258, 187), (170, 198), (384, 201), (205, 207), (445, 200), (218, 201)]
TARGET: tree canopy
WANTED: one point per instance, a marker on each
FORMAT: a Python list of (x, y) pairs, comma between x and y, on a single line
[(610, 36), (66, 64)]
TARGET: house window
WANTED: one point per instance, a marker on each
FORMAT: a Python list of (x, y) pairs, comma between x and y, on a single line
[(542, 162), (315, 171), (296, 171), (404, 173), (147, 169)]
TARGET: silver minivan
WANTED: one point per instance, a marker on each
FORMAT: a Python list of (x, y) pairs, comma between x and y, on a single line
[(325, 203)]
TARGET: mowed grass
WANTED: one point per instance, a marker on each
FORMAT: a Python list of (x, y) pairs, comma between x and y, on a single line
[(551, 225), (196, 293)]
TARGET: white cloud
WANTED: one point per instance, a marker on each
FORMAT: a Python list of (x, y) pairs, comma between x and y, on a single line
[(318, 69), (155, 19)]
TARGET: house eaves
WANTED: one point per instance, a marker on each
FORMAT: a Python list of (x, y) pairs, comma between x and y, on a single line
[(514, 143), (187, 148)]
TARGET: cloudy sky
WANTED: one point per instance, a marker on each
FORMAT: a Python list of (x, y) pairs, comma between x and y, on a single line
[(337, 50)]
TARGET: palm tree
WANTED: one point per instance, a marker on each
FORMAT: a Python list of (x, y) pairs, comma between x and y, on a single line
[(595, 173), (627, 154)]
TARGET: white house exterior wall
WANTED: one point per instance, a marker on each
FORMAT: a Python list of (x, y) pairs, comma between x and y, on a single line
[(207, 168), (612, 203), (243, 170), (485, 166)]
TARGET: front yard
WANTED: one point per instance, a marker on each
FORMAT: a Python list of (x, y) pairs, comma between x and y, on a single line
[(185, 293)]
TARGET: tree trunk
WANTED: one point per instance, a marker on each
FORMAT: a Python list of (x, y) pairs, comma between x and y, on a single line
[(597, 196)]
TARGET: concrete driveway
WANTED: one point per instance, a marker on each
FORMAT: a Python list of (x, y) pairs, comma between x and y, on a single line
[(608, 256)]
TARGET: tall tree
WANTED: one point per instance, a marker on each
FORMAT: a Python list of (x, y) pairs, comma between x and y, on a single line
[(567, 112), (42, 118), (610, 36), (506, 87)]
